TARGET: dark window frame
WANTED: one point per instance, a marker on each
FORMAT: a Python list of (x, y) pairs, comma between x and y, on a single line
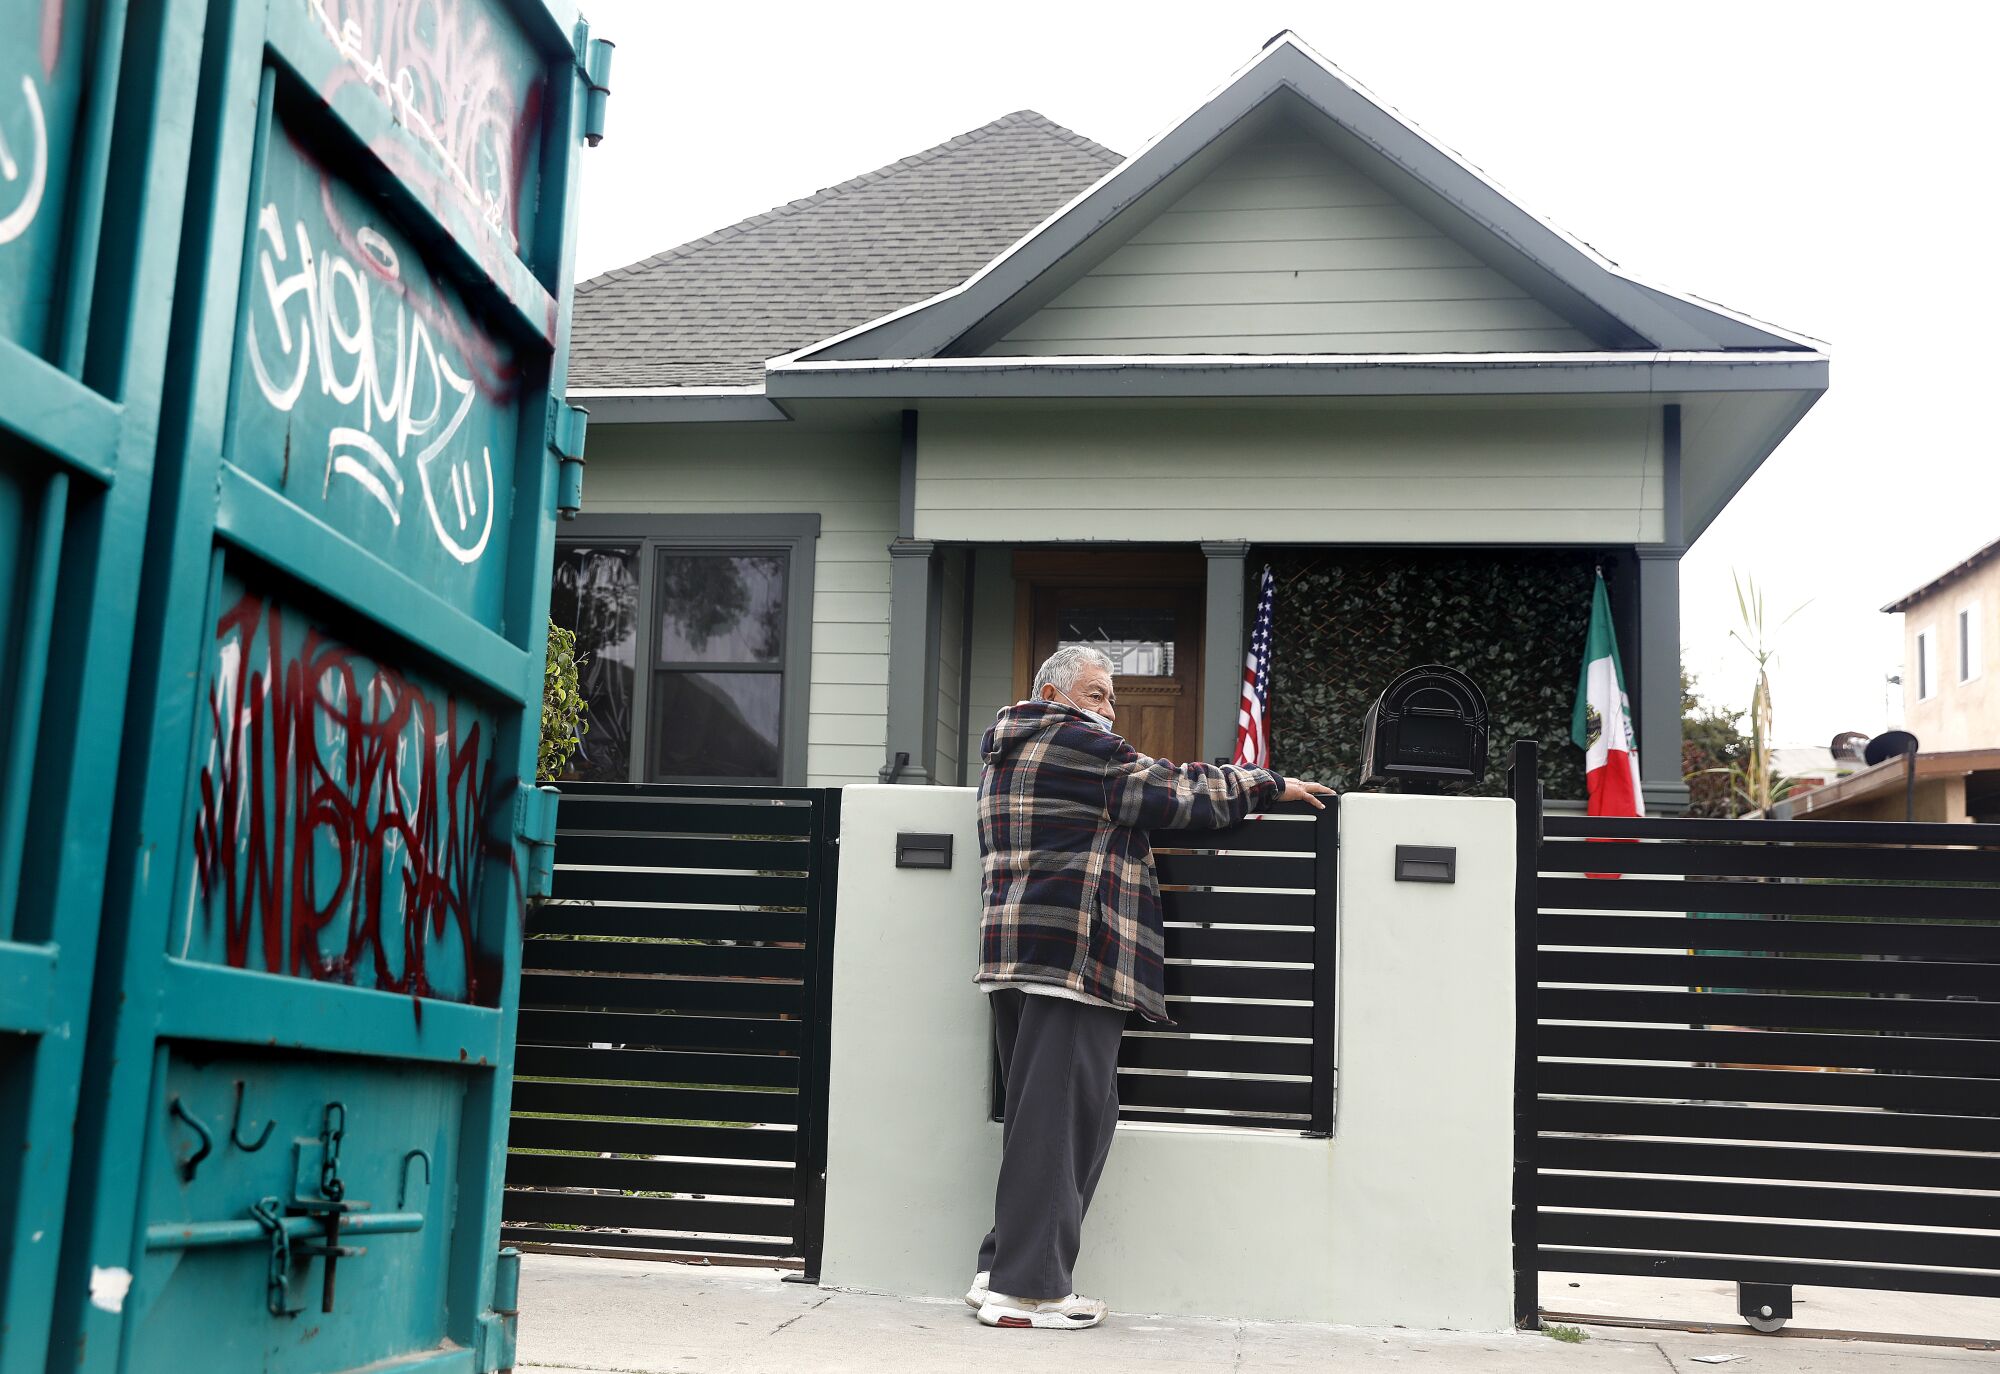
[(793, 536)]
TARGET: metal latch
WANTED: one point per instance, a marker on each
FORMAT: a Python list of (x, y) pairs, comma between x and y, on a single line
[(567, 429), (597, 77), (535, 823), (313, 1224)]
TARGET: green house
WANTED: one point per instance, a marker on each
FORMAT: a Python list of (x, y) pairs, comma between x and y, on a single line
[(859, 462)]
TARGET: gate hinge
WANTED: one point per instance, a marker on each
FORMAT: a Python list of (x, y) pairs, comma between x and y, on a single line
[(499, 1327), (568, 425), (535, 823), (597, 80)]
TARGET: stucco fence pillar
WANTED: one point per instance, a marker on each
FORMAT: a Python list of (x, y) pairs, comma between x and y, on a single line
[(1401, 1218)]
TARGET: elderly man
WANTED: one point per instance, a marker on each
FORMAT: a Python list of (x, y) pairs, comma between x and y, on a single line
[(1070, 942)]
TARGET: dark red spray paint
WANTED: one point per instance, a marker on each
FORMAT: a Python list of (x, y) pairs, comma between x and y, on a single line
[(316, 815)]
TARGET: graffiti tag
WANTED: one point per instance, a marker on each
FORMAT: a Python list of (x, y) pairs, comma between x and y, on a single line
[(438, 69), (337, 791), (325, 309), (31, 159)]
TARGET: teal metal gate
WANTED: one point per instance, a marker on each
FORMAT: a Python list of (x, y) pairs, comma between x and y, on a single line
[(82, 351), (285, 783)]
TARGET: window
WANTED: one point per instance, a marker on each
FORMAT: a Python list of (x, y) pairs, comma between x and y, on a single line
[(1139, 642), (1926, 665), (1968, 642), (695, 634)]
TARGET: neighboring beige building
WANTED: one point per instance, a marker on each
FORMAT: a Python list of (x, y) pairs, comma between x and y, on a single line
[(1951, 656)]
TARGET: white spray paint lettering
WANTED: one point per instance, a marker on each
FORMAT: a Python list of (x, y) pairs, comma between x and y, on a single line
[(31, 160), (443, 82), (421, 398)]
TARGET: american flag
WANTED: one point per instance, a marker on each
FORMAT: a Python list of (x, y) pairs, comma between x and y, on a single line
[(1253, 718)]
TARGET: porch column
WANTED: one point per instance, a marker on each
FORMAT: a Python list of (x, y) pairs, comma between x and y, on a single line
[(1659, 679), (915, 593), (1222, 638), (1664, 790)]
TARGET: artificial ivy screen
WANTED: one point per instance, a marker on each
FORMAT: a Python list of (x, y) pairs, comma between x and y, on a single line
[(1346, 622)]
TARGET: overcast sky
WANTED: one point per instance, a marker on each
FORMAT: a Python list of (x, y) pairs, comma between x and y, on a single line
[(1825, 167)]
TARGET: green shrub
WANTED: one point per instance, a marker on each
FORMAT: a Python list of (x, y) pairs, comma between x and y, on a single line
[(1348, 621), (564, 710)]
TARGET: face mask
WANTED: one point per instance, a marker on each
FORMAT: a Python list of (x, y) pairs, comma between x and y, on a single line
[(1100, 721)]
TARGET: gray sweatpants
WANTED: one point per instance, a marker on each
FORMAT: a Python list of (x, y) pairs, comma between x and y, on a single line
[(1058, 1068)]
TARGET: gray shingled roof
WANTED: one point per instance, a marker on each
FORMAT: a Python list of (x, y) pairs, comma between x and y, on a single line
[(709, 312)]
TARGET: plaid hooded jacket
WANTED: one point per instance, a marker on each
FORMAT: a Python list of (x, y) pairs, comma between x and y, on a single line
[(1069, 894)]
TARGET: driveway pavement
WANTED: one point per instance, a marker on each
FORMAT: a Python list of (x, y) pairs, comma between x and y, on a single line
[(595, 1316)]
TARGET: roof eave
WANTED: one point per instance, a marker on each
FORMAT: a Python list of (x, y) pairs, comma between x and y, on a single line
[(616, 405), (1302, 375)]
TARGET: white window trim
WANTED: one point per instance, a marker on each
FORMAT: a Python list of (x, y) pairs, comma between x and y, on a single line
[(1970, 647)]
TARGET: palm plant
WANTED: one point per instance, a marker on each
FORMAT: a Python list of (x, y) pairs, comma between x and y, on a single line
[(1754, 784)]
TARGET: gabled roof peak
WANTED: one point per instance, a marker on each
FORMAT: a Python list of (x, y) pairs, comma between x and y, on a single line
[(1565, 273)]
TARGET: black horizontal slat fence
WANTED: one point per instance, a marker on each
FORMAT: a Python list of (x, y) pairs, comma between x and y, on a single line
[(670, 1080), (1765, 1052), (1250, 939)]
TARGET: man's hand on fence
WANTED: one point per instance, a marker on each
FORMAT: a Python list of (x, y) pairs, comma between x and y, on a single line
[(1298, 789)]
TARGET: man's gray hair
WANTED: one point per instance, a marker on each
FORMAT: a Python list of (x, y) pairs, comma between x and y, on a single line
[(1065, 665)]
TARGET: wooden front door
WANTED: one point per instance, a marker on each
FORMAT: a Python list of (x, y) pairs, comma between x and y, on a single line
[(1145, 612)]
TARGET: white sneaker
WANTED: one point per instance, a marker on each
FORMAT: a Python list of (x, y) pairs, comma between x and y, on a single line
[(1048, 1314), (975, 1296)]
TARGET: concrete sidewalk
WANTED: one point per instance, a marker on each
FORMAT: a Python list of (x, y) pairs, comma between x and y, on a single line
[(649, 1318)]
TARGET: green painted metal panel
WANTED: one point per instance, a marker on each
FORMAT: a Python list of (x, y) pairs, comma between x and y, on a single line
[(88, 131), (284, 294)]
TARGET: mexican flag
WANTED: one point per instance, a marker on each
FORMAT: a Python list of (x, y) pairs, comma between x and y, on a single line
[(1601, 725)]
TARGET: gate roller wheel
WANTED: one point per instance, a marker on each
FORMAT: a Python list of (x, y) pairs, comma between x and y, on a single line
[(1766, 1306)]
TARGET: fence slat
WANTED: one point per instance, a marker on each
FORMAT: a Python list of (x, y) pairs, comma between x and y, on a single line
[(1256, 946), (692, 1105), (1239, 908), (649, 816), (1239, 980), (669, 923), (1950, 1096), (585, 992), (652, 1213), (1879, 1206), (1776, 861), (1767, 899), (1798, 1126), (1222, 1056), (1236, 870), (1773, 1012), (1755, 974), (652, 1138), (1864, 1244), (1224, 1094), (680, 960), (649, 1175), (1902, 1053), (639, 1030), (658, 1066), (1970, 943), (733, 889), (1736, 1269), (1240, 1018), (710, 851), (1811, 1165)]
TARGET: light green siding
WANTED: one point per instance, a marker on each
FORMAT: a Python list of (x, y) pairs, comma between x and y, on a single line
[(1287, 248), (848, 479), (1440, 475)]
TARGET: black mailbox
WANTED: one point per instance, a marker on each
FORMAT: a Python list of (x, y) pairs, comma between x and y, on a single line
[(1428, 730)]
